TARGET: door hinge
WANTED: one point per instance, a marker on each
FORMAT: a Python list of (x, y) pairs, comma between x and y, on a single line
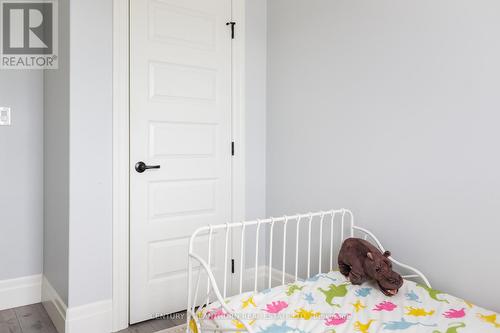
[(232, 266), (232, 24), (232, 148)]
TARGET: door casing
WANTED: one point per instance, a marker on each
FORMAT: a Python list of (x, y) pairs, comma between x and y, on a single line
[(121, 148)]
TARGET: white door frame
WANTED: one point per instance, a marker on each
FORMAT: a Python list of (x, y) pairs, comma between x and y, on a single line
[(121, 148)]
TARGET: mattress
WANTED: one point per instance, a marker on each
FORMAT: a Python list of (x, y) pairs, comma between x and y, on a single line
[(329, 303)]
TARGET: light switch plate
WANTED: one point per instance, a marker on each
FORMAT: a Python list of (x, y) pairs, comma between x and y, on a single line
[(4, 116)]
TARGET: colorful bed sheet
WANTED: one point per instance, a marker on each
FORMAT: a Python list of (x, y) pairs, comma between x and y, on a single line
[(329, 303)]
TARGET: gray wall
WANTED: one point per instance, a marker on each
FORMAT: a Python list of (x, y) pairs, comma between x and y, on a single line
[(90, 265), (78, 156), (390, 108), (256, 77), (255, 121), (21, 174), (56, 163)]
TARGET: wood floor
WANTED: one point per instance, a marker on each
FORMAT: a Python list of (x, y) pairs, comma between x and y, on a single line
[(26, 319), (34, 319), (157, 324)]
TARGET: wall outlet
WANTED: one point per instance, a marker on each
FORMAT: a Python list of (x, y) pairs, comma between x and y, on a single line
[(4, 116)]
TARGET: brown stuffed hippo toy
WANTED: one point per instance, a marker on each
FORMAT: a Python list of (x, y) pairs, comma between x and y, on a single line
[(360, 261)]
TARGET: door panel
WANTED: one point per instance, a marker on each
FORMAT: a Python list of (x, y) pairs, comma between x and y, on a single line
[(180, 119)]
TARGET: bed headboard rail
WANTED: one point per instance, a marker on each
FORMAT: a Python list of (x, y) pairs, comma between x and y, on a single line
[(295, 247)]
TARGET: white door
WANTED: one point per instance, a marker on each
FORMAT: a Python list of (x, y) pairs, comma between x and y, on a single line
[(180, 120)]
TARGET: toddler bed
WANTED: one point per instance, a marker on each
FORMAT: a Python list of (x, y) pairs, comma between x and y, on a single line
[(280, 301)]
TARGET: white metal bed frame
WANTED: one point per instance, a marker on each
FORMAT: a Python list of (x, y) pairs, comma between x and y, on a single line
[(321, 217)]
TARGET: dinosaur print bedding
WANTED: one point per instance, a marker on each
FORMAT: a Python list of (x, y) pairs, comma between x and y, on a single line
[(329, 303)]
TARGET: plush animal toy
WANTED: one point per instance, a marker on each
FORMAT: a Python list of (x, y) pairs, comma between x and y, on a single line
[(360, 261)]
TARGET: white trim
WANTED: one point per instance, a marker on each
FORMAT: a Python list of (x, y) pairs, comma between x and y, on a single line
[(120, 303), (21, 291), (238, 128), (238, 111), (54, 305), (248, 282), (276, 276), (121, 171), (262, 277), (93, 317)]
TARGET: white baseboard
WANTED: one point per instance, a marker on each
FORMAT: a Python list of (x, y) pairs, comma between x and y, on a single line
[(263, 277), (54, 306), (277, 275), (93, 317), (21, 291)]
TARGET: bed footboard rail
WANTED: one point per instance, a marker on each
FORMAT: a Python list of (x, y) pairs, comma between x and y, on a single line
[(193, 321), (310, 229)]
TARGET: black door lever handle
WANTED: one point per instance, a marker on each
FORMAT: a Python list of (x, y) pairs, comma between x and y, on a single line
[(140, 167)]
